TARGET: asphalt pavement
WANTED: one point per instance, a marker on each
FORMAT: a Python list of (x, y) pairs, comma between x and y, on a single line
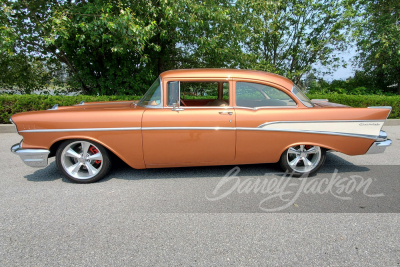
[(346, 215)]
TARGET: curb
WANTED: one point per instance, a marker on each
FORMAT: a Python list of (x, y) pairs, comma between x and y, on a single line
[(9, 128), (392, 122)]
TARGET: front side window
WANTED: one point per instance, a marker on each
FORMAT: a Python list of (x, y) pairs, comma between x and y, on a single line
[(198, 94), (259, 95), (302, 97), (152, 97)]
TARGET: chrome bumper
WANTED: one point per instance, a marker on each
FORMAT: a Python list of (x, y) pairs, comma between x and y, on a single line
[(380, 145), (31, 157)]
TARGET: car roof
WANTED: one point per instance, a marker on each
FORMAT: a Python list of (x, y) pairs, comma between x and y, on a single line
[(228, 73)]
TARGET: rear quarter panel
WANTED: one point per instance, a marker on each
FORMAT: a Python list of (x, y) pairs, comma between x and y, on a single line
[(267, 145)]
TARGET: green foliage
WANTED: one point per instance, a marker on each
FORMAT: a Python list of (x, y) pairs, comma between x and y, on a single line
[(21, 73), (288, 37), (12, 104), (377, 32), (360, 84), (120, 47), (362, 101)]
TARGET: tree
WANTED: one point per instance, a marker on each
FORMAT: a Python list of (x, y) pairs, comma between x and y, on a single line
[(18, 71), (119, 47), (289, 36), (377, 32), (310, 80)]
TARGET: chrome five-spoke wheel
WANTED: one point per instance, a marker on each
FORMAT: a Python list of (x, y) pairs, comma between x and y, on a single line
[(82, 161), (303, 159)]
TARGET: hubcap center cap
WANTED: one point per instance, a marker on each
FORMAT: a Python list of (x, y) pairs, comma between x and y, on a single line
[(303, 155)]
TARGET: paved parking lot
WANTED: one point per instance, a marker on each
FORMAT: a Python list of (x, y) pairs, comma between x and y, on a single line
[(167, 217)]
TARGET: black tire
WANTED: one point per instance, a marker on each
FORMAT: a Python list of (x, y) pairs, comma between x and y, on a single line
[(287, 168), (106, 162)]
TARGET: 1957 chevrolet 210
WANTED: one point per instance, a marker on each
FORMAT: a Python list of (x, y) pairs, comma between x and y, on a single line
[(200, 117)]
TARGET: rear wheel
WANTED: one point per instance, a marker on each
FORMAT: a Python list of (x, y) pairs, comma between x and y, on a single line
[(303, 159), (83, 161)]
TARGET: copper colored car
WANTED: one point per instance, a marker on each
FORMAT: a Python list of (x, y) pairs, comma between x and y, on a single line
[(200, 117)]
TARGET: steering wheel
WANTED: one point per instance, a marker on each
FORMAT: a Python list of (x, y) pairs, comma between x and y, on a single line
[(183, 102)]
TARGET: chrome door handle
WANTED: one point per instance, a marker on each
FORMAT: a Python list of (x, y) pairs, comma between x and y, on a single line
[(226, 113)]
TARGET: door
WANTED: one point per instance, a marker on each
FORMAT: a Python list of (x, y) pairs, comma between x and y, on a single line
[(258, 103), (188, 135)]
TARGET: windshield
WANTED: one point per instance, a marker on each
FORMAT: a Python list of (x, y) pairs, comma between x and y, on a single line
[(153, 96), (300, 95)]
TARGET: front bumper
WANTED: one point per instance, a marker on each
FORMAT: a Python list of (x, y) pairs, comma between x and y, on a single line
[(380, 145), (31, 157)]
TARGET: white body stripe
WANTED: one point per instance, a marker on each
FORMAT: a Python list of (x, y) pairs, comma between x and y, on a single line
[(363, 128)]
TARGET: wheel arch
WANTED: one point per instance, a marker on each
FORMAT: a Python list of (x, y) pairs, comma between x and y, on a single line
[(323, 146), (56, 144)]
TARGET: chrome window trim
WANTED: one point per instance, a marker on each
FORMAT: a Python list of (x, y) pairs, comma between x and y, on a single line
[(320, 100), (267, 107), (206, 107), (152, 107), (179, 94)]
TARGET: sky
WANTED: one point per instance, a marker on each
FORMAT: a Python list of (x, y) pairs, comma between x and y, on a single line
[(343, 73)]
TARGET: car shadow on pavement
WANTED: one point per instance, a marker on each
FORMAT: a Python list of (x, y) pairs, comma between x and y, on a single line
[(123, 171), (48, 174)]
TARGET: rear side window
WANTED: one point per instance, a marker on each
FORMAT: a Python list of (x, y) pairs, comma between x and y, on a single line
[(302, 97), (259, 95)]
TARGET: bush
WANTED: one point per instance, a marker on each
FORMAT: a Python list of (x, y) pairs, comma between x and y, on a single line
[(360, 84), (362, 101), (12, 104)]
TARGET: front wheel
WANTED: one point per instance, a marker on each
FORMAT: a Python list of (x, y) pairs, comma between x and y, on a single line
[(82, 161), (303, 159)]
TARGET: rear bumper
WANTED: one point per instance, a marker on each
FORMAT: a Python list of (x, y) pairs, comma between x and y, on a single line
[(31, 157), (380, 145)]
